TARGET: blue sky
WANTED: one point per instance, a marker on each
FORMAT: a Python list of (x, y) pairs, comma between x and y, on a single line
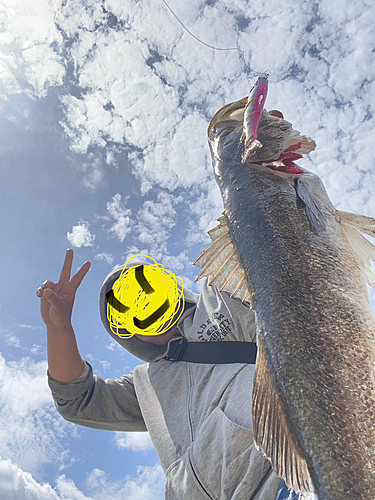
[(104, 108)]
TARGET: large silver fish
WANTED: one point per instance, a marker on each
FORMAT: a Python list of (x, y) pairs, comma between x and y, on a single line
[(303, 266)]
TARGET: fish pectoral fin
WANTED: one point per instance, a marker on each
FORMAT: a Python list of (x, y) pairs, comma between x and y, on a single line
[(220, 261), (272, 434), (312, 207), (352, 225)]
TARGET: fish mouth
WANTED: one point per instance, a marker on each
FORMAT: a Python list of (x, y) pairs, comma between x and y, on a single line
[(285, 162), (281, 144)]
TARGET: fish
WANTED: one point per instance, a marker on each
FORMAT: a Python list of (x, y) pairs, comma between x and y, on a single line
[(303, 267), (253, 113)]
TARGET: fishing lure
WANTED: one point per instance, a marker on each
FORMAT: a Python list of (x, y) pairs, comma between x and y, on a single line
[(252, 116)]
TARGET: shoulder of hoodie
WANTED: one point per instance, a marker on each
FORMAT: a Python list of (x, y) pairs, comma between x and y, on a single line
[(210, 290)]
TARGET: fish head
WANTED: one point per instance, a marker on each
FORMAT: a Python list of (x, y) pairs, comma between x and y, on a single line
[(281, 144)]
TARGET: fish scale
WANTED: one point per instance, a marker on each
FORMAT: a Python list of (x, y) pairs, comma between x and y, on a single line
[(315, 323)]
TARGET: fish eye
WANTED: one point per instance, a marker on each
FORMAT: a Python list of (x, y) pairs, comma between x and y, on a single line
[(225, 133)]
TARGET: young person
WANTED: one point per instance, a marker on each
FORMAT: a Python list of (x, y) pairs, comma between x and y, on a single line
[(199, 415)]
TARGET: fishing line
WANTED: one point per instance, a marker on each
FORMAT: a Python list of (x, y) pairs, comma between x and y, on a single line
[(206, 44)]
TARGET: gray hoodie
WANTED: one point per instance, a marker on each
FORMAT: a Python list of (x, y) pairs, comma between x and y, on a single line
[(198, 415)]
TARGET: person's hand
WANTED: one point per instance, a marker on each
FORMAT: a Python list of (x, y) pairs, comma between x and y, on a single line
[(57, 299)]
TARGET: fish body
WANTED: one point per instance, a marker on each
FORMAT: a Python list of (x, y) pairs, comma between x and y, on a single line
[(283, 247), (252, 116)]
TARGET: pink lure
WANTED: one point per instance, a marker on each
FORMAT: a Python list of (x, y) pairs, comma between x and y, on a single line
[(252, 116)]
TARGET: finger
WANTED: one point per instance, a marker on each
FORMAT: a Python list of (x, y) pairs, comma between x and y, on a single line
[(78, 277), (46, 284), (67, 266), (52, 297), (39, 292)]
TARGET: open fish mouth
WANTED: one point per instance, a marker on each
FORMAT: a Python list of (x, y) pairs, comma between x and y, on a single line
[(281, 145), (285, 162)]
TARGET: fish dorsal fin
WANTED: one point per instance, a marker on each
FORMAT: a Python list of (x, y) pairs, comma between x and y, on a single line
[(220, 261), (272, 434), (352, 225)]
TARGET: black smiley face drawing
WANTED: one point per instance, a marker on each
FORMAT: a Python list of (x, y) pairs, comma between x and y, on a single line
[(147, 288)]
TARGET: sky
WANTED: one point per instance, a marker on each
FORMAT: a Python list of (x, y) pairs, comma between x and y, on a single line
[(104, 109)]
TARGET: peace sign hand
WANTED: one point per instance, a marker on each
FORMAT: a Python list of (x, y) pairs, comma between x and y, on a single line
[(56, 307)]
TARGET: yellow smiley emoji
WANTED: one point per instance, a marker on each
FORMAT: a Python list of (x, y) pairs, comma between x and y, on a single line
[(144, 300)]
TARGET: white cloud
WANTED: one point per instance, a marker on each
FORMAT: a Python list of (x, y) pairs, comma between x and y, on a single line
[(95, 478), (22, 325), (43, 68), (107, 257), (16, 484), (32, 430), (148, 485), (190, 284), (193, 170), (12, 340), (112, 154), (175, 159), (175, 263), (9, 84), (105, 364), (80, 235), (133, 250), (155, 221), (203, 214), (31, 435), (94, 171), (153, 87), (123, 224), (135, 441), (68, 490), (114, 71), (27, 53), (28, 389), (75, 110), (113, 345), (74, 16), (37, 349)]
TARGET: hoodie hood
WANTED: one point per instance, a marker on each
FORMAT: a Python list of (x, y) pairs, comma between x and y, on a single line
[(143, 350)]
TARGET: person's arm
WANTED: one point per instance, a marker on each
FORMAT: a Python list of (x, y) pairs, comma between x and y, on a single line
[(65, 363), (83, 399)]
